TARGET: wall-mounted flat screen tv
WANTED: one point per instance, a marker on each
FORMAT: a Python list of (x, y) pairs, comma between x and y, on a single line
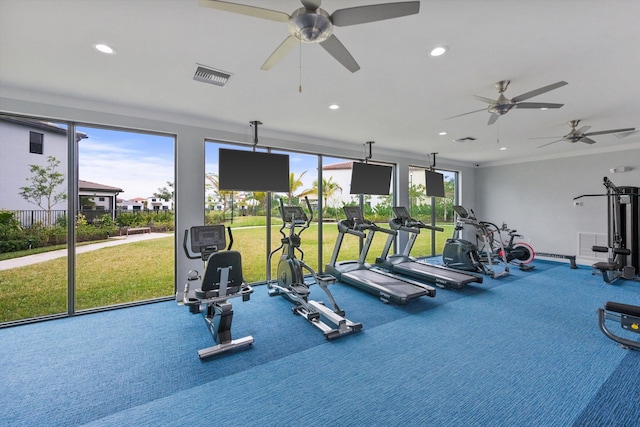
[(253, 171), (370, 179), (435, 184)]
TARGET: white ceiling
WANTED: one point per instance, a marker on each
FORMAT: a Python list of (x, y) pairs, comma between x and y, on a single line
[(398, 98)]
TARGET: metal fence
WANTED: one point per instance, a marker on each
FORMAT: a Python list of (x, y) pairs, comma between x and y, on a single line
[(29, 218)]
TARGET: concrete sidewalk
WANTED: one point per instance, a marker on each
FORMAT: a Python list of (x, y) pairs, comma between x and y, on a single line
[(46, 256)]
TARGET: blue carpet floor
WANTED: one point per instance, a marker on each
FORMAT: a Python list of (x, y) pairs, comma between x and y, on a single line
[(524, 350)]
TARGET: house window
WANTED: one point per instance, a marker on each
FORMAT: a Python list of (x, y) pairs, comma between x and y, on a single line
[(35, 142), (101, 199)]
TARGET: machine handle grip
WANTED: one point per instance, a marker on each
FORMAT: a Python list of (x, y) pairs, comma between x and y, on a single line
[(186, 249), (306, 199), (230, 238)]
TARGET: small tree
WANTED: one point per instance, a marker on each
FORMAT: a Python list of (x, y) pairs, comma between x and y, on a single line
[(165, 193), (44, 181)]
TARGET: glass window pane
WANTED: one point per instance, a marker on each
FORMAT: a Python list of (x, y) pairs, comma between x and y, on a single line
[(432, 210), (125, 221), (33, 221), (243, 211)]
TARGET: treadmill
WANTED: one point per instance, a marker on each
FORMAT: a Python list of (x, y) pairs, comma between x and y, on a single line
[(387, 286), (405, 264)]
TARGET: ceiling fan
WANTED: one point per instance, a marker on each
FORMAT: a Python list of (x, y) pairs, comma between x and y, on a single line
[(581, 135), (502, 105), (311, 24)]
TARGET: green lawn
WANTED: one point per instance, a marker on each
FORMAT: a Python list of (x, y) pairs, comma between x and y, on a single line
[(145, 269)]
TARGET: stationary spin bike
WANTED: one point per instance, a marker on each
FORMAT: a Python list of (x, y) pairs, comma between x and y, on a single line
[(222, 281), (290, 282)]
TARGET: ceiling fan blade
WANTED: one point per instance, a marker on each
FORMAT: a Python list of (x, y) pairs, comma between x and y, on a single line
[(311, 4), (546, 137), (604, 132), (483, 99), (282, 51), (538, 92), (464, 114), (493, 118), (339, 52), (582, 130), (553, 142), (537, 105), (587, 140), (258, 12), (374, 12), (626, 134)]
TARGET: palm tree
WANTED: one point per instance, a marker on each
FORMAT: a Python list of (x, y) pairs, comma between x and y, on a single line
[(214, 184), (329, 187), (294, 184)]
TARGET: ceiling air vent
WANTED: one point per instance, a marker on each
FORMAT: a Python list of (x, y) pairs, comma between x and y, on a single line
[(465, 139), (211, 76)]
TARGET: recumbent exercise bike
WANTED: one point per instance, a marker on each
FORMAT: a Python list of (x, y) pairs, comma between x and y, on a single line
[(290, 282), (222, 280)]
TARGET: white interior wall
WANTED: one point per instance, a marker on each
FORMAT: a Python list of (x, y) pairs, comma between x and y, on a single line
[(536, 198)]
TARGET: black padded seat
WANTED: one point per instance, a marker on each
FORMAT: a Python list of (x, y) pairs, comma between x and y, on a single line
[(606, 265), (630, 310)]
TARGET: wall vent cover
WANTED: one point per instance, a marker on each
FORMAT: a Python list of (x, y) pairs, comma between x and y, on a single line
[(211, 76)]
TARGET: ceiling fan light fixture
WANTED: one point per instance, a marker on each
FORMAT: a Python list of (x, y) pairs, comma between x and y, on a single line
[(438, 51), (310, 27)]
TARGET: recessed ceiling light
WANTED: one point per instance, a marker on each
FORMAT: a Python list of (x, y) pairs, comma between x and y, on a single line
[(503, 148), (334, 106), (543, 109), (104, 48), (442, 133), (438, 50)]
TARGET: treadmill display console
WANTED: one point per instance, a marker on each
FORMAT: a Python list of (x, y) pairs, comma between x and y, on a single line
[(353, 213), (401, 213)]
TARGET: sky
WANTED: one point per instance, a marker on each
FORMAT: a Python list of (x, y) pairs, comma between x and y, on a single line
[(138, 163)]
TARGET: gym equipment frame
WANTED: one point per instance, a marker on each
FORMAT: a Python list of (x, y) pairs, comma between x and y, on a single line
[(629, 318)]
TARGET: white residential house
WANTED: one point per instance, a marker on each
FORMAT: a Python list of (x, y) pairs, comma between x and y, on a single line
[(158, 204), (25, 142), (97, 198), (340, 173)]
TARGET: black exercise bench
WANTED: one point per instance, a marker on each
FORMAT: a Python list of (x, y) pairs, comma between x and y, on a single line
[(629, 318)]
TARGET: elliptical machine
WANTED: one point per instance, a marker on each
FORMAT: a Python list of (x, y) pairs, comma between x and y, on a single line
[(222, 280), (463, 255), (290, 282)]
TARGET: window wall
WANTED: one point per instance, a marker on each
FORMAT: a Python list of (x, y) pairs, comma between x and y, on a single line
[(118, 169), (245, 212), (33, 215), (436, 211), (255, 219), (69, 241)]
